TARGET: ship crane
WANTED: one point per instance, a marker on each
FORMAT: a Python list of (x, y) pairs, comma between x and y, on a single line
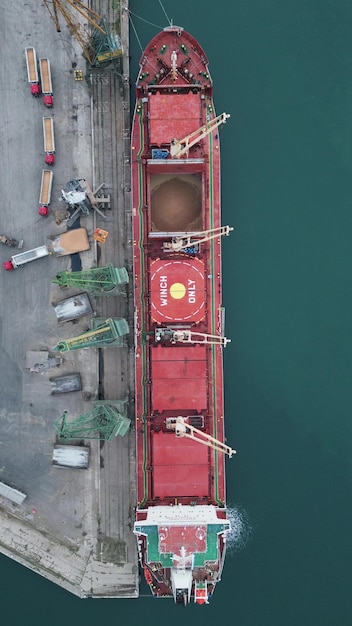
[(182, 429), (187, 240), (189, 336), (181, 147)]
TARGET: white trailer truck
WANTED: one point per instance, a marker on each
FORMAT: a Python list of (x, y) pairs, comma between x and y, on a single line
[(18, 260)]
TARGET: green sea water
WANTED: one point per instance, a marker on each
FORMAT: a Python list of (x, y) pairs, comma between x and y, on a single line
[(283, 70)]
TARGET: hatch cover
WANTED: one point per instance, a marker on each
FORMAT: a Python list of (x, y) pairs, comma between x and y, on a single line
[(177, 290)]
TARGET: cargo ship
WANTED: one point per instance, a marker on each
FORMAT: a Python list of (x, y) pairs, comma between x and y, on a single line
[(181, 522)]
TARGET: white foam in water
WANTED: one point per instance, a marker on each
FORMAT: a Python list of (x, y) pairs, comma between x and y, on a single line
[(241, 529)]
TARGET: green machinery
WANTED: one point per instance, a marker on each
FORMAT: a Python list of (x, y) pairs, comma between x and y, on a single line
[(100, 45), (104, 421), (109, 332), (106, 46), (98, 280)]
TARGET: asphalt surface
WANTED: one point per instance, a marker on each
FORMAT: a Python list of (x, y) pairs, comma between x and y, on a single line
[(87, 514)]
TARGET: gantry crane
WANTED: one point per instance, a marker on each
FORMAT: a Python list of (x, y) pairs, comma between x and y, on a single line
[(182, 429), (97, 46), (181, 147)]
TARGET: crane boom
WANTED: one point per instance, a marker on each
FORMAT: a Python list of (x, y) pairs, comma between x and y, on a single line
[(59, 5), (180, 147), (182, 429), (99, 45), (186, 240), (189, 336), (86, 12)]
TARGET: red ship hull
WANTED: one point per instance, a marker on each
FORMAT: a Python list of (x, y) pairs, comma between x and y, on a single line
[(181, 523)]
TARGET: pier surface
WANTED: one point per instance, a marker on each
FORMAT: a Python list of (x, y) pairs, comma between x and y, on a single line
[(75, 525)]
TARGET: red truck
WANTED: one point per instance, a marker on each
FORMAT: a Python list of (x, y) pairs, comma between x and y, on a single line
[(45, 192), (47, 88), (49, 141), (32, 71)]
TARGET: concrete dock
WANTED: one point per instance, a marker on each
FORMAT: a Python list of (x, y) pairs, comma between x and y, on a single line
[(74, 526)]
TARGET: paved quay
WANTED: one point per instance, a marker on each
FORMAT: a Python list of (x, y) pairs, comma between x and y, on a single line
[(75, 526)]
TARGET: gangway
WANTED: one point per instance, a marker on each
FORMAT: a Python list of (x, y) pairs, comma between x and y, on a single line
[(97, 280), (110, 332)]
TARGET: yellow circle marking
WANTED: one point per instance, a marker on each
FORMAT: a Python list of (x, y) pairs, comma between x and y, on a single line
[(177, 291)]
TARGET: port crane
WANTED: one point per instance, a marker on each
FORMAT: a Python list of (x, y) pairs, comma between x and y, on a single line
[(99, 45), (189, 336), (109, 332), (181, 147), (104, 421), (97, 280), (183, 241), (182, 429)]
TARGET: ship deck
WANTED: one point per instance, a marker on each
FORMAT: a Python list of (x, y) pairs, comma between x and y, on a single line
[(180, 290)]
